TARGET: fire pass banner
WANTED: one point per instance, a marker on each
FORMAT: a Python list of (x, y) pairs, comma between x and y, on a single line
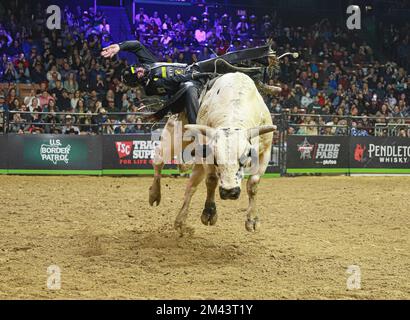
[(380, 152), (317, 152)]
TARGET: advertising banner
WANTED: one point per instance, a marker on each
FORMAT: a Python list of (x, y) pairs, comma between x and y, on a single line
[(319, 153), (134, 151), (54, 152), (380, 152), (3, 152)]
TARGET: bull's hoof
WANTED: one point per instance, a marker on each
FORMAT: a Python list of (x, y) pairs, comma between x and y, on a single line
[(183, 229), (155, 193), (154, 198), (252, 225), (209, 215)]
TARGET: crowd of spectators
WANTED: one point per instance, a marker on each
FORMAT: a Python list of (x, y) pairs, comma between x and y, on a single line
[(338, 75), (67, 72)]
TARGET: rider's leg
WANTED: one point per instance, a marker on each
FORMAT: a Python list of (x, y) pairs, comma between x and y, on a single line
[(191, 101)]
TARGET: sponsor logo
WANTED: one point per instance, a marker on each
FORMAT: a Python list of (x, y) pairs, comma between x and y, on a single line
[(124, 148), (55, 152), (320, 153), (388, 154), (136, 151), (305, 150), (359, 152)]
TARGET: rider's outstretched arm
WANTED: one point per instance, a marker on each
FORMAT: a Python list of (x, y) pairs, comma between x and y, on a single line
[(143, 54), (134, 46)]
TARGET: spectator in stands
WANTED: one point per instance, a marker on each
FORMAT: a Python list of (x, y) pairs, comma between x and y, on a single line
[(53, 75), (52, 123), (50, 107), (69, 128), (38, 74), (104, 27), (403, 133), (165, 39), (74, 100), (45, 98), (3, 108), (64, 103), (122, 128), (71, 85), (10, 73), (142, 15), (200, 34)]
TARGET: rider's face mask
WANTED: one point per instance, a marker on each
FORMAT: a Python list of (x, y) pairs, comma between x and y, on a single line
[(140, 72), (133, 76)]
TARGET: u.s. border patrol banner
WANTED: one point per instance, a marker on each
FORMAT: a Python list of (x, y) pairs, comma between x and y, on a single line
[(54, 152), (321, 154)]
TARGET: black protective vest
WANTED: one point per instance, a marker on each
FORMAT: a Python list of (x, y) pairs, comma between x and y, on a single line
[(163, 70)]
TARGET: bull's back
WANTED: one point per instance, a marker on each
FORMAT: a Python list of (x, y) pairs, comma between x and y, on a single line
[(234, 100)]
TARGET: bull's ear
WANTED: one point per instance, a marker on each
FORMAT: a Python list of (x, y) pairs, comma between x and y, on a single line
[(204, 130), (257, 131)]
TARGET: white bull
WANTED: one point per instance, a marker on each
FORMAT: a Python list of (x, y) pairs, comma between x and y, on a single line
[(238, 129)]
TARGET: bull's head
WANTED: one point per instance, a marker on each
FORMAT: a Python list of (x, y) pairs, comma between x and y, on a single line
[(231, 151)]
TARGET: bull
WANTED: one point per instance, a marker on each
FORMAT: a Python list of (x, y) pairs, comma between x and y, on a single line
[(237, 128)]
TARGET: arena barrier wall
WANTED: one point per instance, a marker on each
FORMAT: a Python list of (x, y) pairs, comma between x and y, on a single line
[(3, 154), (132, 154), (347, 155)]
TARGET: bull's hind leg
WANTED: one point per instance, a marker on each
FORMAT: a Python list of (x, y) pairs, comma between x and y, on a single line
[(155, 189), (164, 153), (209, 215), (197, 176)]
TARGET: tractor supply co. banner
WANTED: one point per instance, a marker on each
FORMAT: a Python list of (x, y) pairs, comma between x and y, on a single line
[(54, 152), (317, 152), (3, 152), (380, 152), (130, 152)]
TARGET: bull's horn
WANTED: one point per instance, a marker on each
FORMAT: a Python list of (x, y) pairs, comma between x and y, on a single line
[(257, 131), (295, 55), (205, 130)]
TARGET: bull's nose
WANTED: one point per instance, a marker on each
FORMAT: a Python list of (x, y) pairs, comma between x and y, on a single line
[(231, 194)]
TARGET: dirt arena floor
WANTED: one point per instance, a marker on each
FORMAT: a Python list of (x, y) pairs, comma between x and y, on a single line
[(110, 244)]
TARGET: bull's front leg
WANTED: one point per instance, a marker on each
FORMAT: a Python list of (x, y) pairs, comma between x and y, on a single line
[(209, 215), (252, 220), (196, 177)]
